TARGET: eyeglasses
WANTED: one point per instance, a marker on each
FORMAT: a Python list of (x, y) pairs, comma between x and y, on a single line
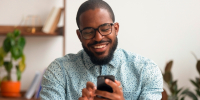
[(104, 29)]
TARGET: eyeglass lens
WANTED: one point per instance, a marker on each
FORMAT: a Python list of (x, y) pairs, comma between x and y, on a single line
[(89, 33)]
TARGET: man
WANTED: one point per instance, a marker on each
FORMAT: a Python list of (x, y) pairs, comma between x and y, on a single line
[(74, 76)]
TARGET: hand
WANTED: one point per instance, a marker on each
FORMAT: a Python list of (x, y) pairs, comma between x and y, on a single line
[(117, 91), (88, 93)]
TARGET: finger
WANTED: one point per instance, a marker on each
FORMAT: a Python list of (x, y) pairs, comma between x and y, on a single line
[(91, 88), (106, 94), (82, 98), (85, 93), (90, 85), (117, 82), (97, 98), (114, 86)]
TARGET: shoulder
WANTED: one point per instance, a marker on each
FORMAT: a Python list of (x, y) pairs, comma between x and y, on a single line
[(137, 63), (146, 69), (66, 61), (132, 57), (70, 57)]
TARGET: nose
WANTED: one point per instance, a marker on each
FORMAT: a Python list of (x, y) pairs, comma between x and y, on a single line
[(98, 37)]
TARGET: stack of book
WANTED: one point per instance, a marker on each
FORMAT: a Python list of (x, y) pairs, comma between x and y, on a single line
[(52, 20), (35, 87)]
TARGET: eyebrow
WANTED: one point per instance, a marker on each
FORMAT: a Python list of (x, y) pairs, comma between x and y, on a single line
[(95, 28)]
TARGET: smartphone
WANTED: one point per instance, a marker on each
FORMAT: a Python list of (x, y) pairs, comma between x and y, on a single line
[(101, 85)]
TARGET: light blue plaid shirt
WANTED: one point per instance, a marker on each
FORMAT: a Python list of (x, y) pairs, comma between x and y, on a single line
[(65, 77)]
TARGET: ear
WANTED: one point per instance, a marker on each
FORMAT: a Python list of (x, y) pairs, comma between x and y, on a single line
[(79, 34), (116, 27)]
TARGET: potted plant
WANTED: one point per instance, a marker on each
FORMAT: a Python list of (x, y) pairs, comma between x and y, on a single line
[(196, 81), (176, 94), (12, 48)]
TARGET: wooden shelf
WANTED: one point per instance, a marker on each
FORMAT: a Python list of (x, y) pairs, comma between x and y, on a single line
[(24, 31), (59, 31), (19, 98)]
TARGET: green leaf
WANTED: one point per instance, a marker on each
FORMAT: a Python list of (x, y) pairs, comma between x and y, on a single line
[(23, 58), (8, 66), (16, 52), (2, 52), (198, 92), (183, 98), (190, 94), (1, 60), (21, 42), (172, 97), (18, 73), (8, 43), (5, 78), (198, 66), (194, 83), (167, 77), (10, 35), (198, 81), (22, 66), (168, 66), (179, 90), (2, 55), (16, 33), (174, 87)]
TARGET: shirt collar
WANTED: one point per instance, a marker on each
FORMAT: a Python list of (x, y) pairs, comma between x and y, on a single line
[(115, 62), (86, 60)]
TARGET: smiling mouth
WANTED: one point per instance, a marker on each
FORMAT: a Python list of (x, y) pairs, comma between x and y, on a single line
[(99, 46)]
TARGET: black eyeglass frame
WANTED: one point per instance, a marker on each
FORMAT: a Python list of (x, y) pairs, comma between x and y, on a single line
[(97, 29)]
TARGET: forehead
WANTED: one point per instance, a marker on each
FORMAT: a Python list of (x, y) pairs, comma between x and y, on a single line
[(94, 18)]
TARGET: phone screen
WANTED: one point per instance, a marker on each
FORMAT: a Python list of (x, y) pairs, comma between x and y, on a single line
[(101, 85)]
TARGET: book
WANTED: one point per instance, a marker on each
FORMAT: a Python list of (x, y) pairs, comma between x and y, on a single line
[(31, 90), (37, 92), (52, 20)]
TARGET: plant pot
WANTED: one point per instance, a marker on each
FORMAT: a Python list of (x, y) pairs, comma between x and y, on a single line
[(10, 89), (164, 95)]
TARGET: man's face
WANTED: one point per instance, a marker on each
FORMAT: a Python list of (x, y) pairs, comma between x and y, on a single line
[(99, 48)]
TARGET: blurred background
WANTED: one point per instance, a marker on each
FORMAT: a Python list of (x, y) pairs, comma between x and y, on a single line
[(161, 30)]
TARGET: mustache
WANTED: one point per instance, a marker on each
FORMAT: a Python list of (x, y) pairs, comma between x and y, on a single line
[(98, 42)]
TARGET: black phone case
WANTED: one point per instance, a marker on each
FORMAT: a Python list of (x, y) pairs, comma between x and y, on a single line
[(101, 85)]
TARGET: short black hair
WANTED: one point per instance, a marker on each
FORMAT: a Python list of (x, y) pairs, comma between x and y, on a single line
[(92, 4)]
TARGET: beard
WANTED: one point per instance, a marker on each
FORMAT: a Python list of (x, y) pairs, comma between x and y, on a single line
[(103, 60)]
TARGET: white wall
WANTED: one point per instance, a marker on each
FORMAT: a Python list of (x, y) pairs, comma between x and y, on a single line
[(159, 30)]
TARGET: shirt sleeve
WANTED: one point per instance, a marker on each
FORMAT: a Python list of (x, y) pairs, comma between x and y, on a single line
[(152, 82), (53, 83)]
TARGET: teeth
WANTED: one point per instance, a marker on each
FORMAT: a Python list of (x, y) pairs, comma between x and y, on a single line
[(101, 46)]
